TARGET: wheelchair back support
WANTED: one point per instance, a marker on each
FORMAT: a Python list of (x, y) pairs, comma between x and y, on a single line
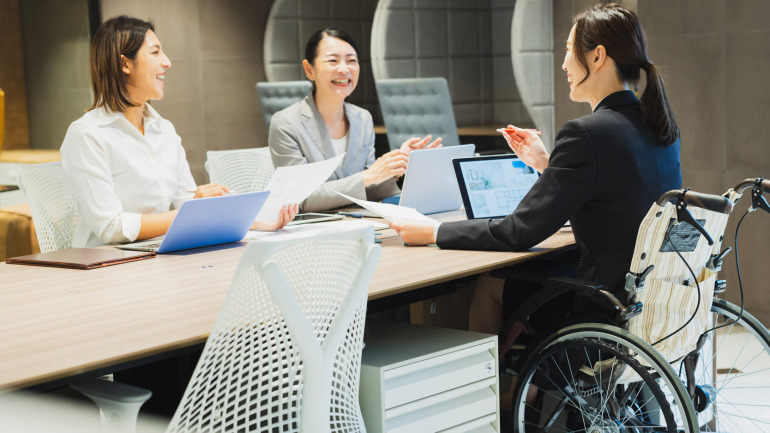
[(669, 293)]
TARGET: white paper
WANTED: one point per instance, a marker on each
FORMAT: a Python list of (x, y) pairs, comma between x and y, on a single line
[(391, 212), (293, 184), (313, 229)]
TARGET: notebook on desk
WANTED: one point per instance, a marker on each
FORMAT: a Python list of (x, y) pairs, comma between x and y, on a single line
[(207, 221), (81, 258), (429, 183), (492, 186)]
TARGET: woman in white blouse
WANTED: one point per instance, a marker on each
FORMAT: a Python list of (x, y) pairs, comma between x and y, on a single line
[(124, 161)]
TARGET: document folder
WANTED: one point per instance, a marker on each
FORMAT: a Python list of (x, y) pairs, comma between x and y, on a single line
[(81, 258)]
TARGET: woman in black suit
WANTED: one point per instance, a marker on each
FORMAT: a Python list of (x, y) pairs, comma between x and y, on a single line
[(606, 169)]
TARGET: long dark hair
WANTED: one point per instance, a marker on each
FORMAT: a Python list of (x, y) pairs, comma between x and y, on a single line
[(619, 31), (115, 37), (311, 48)]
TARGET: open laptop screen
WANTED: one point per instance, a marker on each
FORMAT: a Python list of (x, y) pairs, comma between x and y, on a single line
[(429, 184), (492, 186)]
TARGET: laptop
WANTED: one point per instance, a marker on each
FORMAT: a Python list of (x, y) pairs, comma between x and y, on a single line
[(207, 221), (429, 184), (492, 186)]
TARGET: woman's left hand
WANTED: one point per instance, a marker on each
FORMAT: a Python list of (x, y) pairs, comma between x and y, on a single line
[(415, 143), (415, 233), (287, 214)]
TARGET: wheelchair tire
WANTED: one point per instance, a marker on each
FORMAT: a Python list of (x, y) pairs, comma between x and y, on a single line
[(570, 398), (727, 368)]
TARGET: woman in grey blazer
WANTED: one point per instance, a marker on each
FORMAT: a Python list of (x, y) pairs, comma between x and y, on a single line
[(323, 125)]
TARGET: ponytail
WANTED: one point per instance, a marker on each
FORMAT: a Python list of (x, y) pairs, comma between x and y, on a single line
[(656, 109), (619, 31)]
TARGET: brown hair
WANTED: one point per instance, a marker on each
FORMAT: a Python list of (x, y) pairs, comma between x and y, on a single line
[(115, 37), (619, 31)]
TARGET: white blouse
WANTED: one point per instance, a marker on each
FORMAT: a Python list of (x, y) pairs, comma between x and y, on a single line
[(118, 174)]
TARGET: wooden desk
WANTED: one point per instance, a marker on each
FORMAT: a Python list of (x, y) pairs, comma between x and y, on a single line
[(57, 323)]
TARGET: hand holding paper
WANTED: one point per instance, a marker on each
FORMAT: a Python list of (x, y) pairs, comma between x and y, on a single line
[(293, 184)]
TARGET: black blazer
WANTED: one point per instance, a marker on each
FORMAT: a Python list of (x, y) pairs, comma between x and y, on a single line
[(606, 170)]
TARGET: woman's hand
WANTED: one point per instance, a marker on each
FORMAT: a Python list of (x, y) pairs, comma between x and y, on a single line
[(211, 190), (415, 233), (415, 143), (287, 214), (526, 144), (392, 164)]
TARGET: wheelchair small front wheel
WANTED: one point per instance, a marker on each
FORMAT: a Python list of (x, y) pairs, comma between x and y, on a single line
[(595, 378)]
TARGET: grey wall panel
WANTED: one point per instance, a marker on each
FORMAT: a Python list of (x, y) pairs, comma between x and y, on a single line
[(466, 42), (292, 22), (532, 60)]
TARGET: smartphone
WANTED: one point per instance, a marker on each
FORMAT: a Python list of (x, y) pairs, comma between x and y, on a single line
[(311, 217)]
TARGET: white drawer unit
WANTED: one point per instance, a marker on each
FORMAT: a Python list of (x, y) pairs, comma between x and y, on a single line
[(427, 379)]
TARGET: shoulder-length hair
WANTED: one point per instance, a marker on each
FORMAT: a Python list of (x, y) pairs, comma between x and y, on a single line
[(115, 37)]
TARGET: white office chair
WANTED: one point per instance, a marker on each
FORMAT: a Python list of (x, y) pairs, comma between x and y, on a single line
[(285, 351), (54, 213), (52, 204), (241, 170)]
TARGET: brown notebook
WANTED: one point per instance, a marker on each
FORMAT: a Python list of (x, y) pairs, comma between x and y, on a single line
[(81, 258)]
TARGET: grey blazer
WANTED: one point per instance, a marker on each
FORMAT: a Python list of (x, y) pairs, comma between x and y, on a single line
[(298, 136)]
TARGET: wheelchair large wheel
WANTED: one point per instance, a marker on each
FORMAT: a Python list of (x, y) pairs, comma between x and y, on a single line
[(596, 378), (730, 376)]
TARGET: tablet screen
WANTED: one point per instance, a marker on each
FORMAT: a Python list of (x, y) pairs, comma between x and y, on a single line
[(494, 186)]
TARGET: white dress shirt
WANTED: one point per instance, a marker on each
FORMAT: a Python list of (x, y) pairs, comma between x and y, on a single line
[(340, 145), (118, 174)]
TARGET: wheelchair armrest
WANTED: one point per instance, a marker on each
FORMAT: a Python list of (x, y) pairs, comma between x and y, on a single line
[(582, 287), (518, 273)]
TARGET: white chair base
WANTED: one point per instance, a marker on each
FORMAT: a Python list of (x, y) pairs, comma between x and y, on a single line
[(118, 403)]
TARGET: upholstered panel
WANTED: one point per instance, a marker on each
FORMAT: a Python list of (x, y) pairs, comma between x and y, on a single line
[(466, 42), (532, 59), (290, 25), (278, 95), (415, 107)]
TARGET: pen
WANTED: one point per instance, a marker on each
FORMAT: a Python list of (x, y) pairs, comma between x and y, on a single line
[(351, 214), (513, 130)]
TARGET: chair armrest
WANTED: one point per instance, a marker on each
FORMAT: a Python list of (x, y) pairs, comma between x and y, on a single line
[(582, 287), (517, 272)]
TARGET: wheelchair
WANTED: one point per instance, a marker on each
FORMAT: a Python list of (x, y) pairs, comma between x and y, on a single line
[(677, 358)]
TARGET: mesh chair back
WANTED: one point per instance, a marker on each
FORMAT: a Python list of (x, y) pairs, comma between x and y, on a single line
[(52, 202), (670, 295), (277, 95), (416, 107), (242, 170), (285, 351)]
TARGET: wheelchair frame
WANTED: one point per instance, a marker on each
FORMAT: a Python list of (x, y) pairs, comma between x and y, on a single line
[(634, 386)]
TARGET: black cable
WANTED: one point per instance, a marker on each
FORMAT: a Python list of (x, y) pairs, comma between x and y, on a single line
[(697, 286), (740, 281)]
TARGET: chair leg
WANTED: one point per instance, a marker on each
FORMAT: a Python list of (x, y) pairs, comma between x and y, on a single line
[(118, 403)]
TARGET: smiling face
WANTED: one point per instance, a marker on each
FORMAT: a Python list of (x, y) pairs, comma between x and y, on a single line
[(147, 72), (575, 71), (334, 70)]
